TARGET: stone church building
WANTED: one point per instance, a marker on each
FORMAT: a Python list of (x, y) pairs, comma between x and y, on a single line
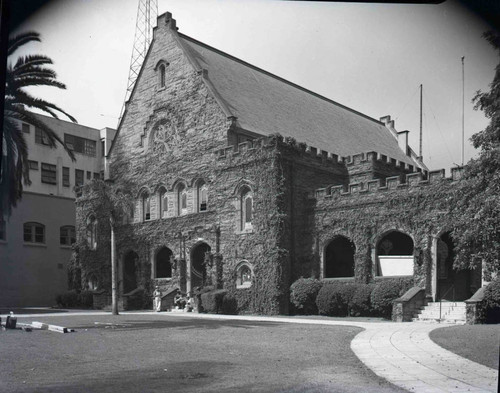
[(243, 180)]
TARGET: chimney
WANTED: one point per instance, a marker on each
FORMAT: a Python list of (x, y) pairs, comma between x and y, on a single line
[(403, 141)]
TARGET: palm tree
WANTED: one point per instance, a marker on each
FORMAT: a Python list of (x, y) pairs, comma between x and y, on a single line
[(30, 70)]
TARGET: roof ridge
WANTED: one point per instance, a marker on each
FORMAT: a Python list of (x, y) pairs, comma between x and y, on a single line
[(280, 78)]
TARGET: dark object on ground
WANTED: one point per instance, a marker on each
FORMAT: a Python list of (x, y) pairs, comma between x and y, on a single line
[(11, 322)]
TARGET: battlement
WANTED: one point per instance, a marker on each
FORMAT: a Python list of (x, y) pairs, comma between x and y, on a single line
[(360, 158), (410, 180), (314, 153)]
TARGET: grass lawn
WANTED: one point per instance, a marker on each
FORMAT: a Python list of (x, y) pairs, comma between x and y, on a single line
[(161, 353), (479, 343)]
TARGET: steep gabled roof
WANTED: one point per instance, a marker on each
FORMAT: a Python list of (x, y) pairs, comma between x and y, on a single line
[(266, 104)]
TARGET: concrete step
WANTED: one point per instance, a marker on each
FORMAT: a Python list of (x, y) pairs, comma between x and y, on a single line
[(446, 312)]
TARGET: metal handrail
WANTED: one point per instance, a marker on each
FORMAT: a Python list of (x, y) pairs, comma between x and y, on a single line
[(441, 299)]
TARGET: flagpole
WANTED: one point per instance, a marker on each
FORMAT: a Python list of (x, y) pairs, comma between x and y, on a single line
[(463, 109)]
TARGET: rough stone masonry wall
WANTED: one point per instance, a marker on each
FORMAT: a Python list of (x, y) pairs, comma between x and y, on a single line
[(416, 207)]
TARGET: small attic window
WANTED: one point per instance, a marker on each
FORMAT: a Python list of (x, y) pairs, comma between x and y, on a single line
[(162, 75), (161, 69)]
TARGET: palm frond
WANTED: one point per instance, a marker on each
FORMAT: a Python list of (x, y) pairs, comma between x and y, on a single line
[(21, 39)]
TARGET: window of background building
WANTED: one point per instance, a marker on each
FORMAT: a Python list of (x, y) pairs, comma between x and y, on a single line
[(3, 230), (33, 165), (65, 176), (97, 175), (26, 128), (67, 235), (34, 232), (89, 175), (41, 137), (81, 145), (246, 208), (49, 173), (162, 75), (78, 177)]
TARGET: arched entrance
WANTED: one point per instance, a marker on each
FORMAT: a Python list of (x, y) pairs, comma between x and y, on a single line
[(339, 258), (452, 285), (395, 255), (129, 271), (198, 268), (163, 268)]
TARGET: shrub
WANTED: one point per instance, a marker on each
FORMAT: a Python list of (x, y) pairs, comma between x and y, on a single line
[(333, 298), (361, 300), (86, 299), (491, 302), (303, 293), (213, 301), (197, 295), (386, 291), (69, 299)]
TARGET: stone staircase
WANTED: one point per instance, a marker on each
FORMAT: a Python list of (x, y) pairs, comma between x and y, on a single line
[(451, 312)]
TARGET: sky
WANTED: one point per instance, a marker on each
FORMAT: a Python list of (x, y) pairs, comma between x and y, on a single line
[(369, 57)]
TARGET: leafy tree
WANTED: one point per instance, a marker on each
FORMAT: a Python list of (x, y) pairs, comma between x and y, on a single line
[(117, 205), (27, 71), (477, 230)]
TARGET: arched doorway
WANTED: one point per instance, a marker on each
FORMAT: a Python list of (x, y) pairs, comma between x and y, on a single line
[(339, 258), (163, 268), (452, 285), (395, 255), (198, 268), (129, 271)]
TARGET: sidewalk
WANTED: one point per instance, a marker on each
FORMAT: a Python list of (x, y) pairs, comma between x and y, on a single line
[(402, 353)]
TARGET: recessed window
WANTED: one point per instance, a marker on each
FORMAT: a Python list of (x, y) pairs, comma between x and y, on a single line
[(92, 232), (182, 200), (97, 175), (243, 275), (67, 235), (34, 232), (26, 128), (92, 283), (246, 213), (49, 173), (41, 137), (163, 198), (162, 75), (146, 207), (202, 197), (33, 165), (65, 176)]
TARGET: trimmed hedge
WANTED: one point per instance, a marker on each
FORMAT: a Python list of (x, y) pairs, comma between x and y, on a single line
[(213, 301), (74, 299), (361, 305), (386, 291), (303, 293), (334, 297), (491, 302)]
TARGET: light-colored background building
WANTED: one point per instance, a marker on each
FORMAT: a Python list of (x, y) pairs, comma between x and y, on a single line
[(35, 241)]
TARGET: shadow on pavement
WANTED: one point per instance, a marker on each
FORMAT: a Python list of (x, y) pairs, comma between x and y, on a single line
[(183, 324)]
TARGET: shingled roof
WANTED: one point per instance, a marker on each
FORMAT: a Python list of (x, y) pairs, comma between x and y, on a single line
[(266, 104)]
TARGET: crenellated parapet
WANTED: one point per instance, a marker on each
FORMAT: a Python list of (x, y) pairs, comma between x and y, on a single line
[(410, 180)]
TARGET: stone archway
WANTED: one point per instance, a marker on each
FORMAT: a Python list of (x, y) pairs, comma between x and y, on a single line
[(163, 268), (129, 271), (339, 258), (198, 268), (452, 284)]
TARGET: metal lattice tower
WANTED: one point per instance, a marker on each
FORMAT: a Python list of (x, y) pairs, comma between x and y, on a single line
[(147, 12)]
